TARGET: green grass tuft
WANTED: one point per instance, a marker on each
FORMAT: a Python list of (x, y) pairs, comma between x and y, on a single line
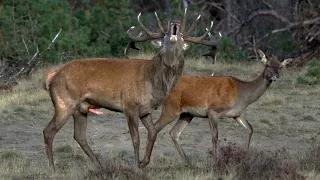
[(64, 149), (10, 155), (312, 75), (308, 118), (266, 121)]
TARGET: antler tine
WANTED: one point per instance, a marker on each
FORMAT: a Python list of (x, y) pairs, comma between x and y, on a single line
[(184, 19), (155, 35), (132, 45), (159, 23), (200, 40), (150, 34), (143, 27), (209, 34), (137, 38), (193, 25)]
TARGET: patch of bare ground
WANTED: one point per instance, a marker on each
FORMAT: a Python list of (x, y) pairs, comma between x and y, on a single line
[(286, 133)]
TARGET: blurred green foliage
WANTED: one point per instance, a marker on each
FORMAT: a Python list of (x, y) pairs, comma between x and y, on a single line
[(312, 75), (97, 31), (230, 52), (90, 31), (287, 44)]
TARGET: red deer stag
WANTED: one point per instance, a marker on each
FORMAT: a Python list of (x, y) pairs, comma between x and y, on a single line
[(214, 97), (134, 87)]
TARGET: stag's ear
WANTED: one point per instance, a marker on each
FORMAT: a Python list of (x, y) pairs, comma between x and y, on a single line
[(185, 46), (264, 60), (157, 43)]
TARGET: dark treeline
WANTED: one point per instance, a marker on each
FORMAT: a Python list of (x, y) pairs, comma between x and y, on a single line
[(97, 28)]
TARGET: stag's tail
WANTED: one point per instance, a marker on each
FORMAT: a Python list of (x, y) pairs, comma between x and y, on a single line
[(47, 79)]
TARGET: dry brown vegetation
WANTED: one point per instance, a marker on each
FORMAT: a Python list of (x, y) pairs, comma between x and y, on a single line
[(285, 142)]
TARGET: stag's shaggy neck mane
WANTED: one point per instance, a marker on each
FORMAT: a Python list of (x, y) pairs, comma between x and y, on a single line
[(164, 71)]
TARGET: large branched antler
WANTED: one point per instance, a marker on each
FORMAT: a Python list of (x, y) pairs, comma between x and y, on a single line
[(201, 39), (139, 38)]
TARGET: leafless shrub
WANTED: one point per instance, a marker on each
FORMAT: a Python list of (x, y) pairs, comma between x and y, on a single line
[(113, 170), (311, 158), (31, 65), (254, 164)]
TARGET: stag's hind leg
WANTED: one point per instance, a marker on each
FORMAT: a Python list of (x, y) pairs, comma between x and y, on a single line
[(176, 131), (63, 111), (80, 129)]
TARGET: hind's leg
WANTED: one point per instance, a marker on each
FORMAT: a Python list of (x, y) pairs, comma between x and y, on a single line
[(176, 131), (62, 113), (213, 123), (80, 128), (241, 120)]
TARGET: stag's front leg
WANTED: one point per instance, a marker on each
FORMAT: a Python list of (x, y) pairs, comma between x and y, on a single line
[(152, 136), (133, 123)]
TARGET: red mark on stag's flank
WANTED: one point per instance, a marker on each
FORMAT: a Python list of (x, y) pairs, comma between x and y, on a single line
[(49, 77), (95, 111), (61, 103), (50, 74)]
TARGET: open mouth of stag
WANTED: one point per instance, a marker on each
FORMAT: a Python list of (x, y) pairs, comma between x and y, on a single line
[(174, 32)]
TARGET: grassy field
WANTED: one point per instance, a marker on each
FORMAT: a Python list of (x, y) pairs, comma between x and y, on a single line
[(285, 144)]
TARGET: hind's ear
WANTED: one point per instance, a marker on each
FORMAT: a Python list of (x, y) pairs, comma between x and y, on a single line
[(264, 60)]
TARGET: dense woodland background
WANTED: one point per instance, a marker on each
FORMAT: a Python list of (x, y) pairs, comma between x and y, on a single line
[(97, 28)]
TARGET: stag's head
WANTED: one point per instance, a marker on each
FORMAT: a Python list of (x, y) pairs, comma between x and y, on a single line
[(272, 66), (174, 38), (173, 34)]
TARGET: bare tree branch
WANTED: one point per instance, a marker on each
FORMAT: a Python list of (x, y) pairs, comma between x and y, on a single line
[(29, 68), (25, 45), (271, 13), (196, 3), (292, 26)]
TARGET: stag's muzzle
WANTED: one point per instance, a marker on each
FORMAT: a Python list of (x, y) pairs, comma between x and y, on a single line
[(174, 32), (173, 38)]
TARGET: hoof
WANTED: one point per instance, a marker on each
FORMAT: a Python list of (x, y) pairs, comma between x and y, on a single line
[(143, 164)]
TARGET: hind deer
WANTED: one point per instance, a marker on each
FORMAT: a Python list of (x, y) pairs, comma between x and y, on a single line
[(214, 97), (134, 87)]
